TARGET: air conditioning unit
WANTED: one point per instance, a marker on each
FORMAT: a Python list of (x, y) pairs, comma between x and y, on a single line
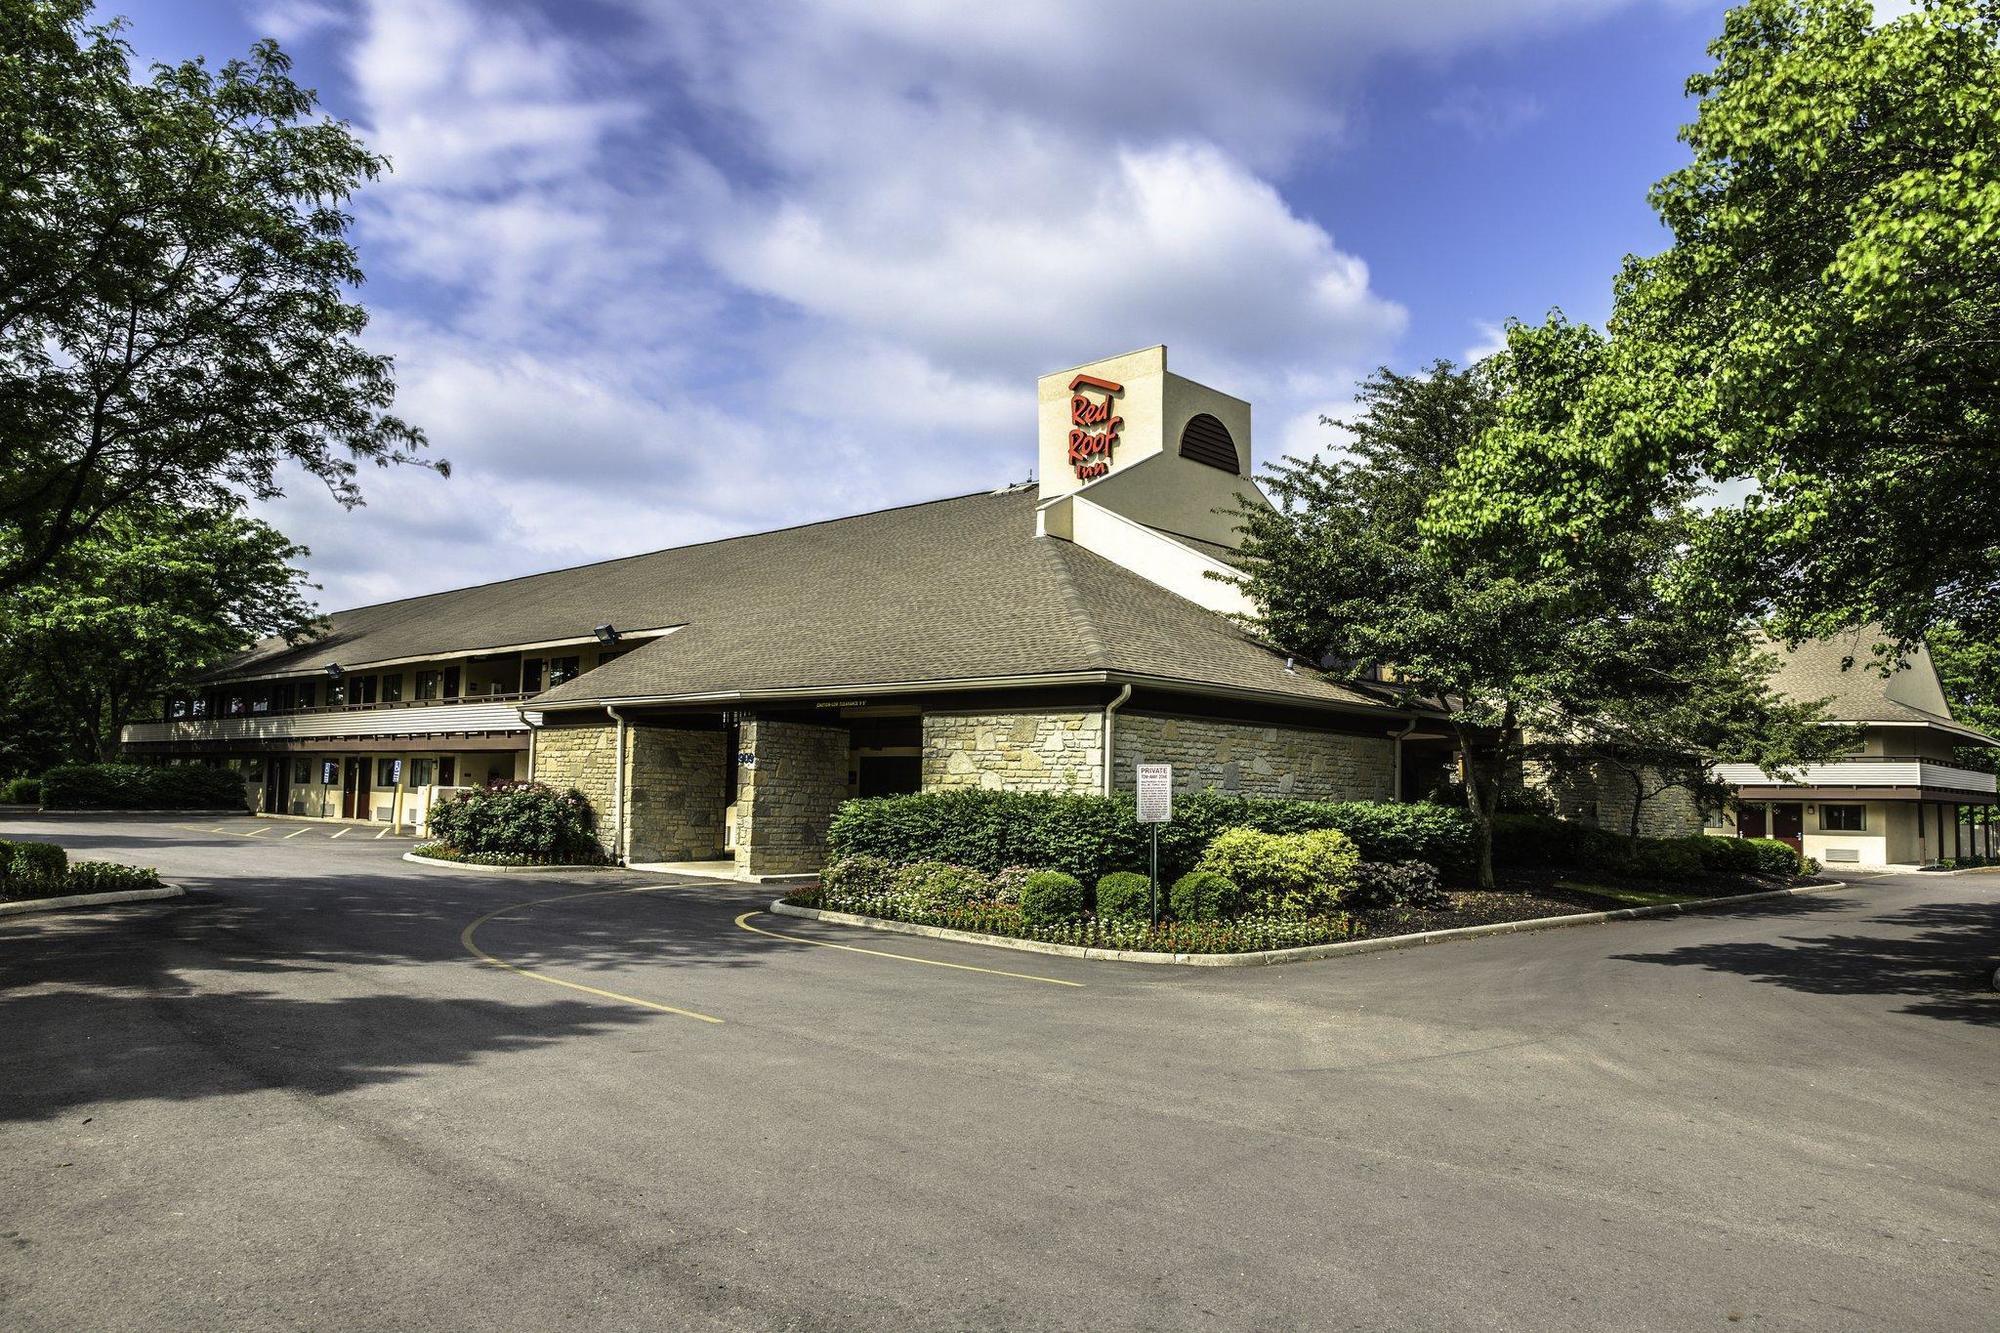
[(729, 827), (1843, 854)]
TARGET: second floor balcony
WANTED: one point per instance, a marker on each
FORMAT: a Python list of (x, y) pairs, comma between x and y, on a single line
[(1913, 773), (414, 717)]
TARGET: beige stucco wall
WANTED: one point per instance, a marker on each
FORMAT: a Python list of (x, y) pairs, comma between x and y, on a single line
[(1255, 760), (787, 795), (1059, 751)]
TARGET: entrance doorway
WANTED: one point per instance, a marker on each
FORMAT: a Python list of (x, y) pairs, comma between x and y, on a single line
[(1787, 822), (354, 789)]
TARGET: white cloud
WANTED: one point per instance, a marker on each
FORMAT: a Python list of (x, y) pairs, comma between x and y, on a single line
[(292, 21), (1492, 339), (1486, 114), (719, 265)]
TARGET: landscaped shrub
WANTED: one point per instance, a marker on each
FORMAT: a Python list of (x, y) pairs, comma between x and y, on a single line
[(940, 884), (1777, 858), (1382, 884), (1051, 895), (35, 860), (1729, 856), (1203, 895), (1542, 840), (21, 791), (1124, 894), (856, 875), (1667, 858), (1092, 836), (1303, 874), (142, 787), (524, 819), (105, 877)]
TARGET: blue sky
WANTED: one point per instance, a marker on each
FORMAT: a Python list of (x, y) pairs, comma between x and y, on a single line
[(658, 272)]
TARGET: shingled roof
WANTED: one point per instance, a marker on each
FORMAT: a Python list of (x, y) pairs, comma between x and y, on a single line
[(1844, 671), (948, 591)]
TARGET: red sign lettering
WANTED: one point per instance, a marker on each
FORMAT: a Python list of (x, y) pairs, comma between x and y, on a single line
[(1093, 429)]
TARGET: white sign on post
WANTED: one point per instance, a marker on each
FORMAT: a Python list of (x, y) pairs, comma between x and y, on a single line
[(1156, 793)]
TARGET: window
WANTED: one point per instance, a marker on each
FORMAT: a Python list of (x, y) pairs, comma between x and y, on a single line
[(427, 685), (451, 682), (531, 675), (392, 688), (303, 695), (1843, 818), (235, 705), (336, 693), (564, 668), (388, 772), (361, 690), (302, 771), (610, 653), (421, 774)]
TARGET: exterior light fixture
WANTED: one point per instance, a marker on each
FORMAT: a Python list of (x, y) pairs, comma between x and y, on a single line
[(333, 671), (605, 634)]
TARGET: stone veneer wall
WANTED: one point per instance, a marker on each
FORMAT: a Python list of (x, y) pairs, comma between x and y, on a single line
[(674, 793), (582, 757), (1049, 752), (1603, 798), (786, 799), (1254, 760)]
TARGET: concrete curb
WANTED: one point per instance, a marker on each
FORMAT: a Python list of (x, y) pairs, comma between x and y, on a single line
[(1307, 954), (40, 810), (473, 867), (91, 900)]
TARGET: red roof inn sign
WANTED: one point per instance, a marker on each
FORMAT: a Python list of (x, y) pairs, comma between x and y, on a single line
[(1093, 431)]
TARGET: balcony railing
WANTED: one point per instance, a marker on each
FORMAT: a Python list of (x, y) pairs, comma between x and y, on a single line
[(409, 717), (1866, 771)]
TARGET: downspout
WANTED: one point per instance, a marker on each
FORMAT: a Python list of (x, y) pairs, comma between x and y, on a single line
[(527, 722), (617, 787), (1398, 736), (1124, 693)]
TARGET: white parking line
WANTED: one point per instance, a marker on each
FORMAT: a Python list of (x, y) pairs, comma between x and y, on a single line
[(343, 833), (383, 834), (294, 835)]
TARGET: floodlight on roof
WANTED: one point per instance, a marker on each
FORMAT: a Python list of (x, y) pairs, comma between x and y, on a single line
[(605, 634)]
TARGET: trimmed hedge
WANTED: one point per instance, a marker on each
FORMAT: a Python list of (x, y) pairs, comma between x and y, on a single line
[(940, 884), (1093, 836), (1125, 894), (1051, 895), (32, 860), (50, 877), (21, 791), (142, 787), (1203, 895), (524, 819), (1539, 840)]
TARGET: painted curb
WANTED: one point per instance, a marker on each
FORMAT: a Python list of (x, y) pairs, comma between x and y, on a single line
[(474, 868), (91, 900), (1306, 954)]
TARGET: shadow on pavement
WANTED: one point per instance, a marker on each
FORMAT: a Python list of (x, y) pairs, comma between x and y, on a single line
[(1944, 963), (327, 983)]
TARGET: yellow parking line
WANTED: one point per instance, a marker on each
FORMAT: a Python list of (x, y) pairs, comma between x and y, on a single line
[(465, 938), (744, 922)]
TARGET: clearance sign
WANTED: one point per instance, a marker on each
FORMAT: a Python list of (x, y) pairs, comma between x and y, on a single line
[(1093, 431)]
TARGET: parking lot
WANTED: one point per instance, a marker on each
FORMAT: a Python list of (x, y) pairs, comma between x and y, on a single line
[(330, 1088)]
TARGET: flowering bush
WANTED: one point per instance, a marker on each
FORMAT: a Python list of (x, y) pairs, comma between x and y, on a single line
[(1008, 882), (51, 881), (519, 819), (940, 884)]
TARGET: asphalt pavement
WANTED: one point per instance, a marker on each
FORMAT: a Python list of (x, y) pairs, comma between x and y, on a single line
[(332, 1089)]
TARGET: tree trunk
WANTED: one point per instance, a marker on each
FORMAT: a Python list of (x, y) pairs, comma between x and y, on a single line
[(1478, 803)]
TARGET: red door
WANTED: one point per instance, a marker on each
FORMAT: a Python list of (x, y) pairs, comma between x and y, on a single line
[(1788, 825)]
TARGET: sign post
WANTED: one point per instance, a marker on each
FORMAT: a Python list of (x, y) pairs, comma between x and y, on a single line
[(1156, 807)]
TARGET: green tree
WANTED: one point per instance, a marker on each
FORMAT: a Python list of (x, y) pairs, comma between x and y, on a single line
[(1824, 332), (144, 603), (174, 277), (1525, 656), (1968, 668)]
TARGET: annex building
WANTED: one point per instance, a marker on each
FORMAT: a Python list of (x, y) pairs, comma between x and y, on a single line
[(718, 701)]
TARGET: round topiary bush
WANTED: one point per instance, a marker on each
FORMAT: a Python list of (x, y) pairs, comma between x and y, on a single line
[(1050, 895), (524, 819), (1125, 894), (1203, 895), (1295, 874)]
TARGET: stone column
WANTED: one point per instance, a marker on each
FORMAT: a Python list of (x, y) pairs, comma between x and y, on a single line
[(791, 777)]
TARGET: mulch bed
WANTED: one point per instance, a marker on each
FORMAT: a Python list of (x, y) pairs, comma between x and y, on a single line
[(1526, 896)]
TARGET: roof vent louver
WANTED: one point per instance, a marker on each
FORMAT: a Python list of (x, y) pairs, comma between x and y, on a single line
[(1206, 440)]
